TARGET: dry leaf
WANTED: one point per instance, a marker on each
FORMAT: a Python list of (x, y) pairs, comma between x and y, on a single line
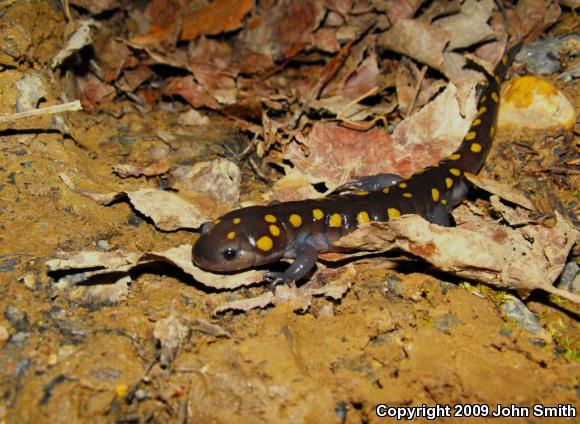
[(113, 263), (470, 26), (502, 190), (521, 259), (245, 305), (154, 169), (171, 334), (219, 178), (79, 39)]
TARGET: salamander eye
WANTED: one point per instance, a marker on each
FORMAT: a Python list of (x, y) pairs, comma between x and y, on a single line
[(229, 254)]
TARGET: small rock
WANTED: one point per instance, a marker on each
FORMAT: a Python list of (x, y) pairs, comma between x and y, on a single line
[(17, 318), (567, 278), (31, 90), (141, 395), (8, 265), (52, 359), (516, 310), (543, 56), (19, 337), (4, 334), (103, 245)]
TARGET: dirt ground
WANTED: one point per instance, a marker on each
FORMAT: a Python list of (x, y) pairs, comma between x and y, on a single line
[(398, 337)]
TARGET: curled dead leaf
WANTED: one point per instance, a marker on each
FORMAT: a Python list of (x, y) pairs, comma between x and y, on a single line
[(522, 259)]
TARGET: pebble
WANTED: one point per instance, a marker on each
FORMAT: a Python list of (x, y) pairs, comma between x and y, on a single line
[(567, 279), (518, 311), (4, 334)]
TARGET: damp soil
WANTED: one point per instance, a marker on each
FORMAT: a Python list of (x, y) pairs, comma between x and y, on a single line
[(397, 337)]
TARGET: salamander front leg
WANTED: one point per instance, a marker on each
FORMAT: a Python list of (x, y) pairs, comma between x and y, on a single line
[(306, 256), (370, 183)]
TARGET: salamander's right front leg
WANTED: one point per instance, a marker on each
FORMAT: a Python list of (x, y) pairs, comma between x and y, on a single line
[(306, 257)]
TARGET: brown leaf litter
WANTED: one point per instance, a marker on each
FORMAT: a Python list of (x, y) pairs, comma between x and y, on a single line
[(200, 118)]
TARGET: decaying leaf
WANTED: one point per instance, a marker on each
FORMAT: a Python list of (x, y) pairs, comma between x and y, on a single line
[(171, 334), (219, 178), (181, 257), (336, 154), (156, 168), (502, 190), (523, 259), (470, 26), (119, 262), (433, 132), (79, 39), (245, 305), (332, 283), (167, 210)]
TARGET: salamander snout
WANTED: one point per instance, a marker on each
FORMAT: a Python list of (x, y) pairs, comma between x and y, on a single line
[(215, 251)]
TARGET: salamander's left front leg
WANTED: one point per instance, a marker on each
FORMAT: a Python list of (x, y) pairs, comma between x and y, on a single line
[(370, 183), (306, 257)]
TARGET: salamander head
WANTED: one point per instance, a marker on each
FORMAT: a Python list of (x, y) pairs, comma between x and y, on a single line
[(228, 245)]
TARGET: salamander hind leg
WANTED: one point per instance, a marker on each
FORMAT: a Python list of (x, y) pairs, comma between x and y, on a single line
[(306, 257), (440, 216)]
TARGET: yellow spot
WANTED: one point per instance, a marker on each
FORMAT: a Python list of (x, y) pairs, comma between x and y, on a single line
[(362, 193), (482, 110), (455, 156), (403, 185), (217, 221), (483, 99), (443, 202), (492, 131), (393, 213), (504, 59), (494, 97), (231, 235), (386, 190), (476, 147), (471, 135), (274, 230), (448, 182), (407, 195), (335, 220), (264, 243), (121, 390), (498, 79), (435, 194), (317, 214), (362, 217), (237, 220), (455, 171), (476, 122), (295, 220), (270, 218)]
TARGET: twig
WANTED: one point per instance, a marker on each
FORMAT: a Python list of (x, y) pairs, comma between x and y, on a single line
[(49, 110), (417, 89)]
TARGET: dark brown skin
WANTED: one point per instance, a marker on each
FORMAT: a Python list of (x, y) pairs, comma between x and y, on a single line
[(261, 235)]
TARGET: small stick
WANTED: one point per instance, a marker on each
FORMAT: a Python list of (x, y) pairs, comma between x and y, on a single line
[(50, 110), (417, 88)]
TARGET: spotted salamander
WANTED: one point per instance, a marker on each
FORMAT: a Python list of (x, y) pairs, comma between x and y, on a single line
[(301, 230)]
